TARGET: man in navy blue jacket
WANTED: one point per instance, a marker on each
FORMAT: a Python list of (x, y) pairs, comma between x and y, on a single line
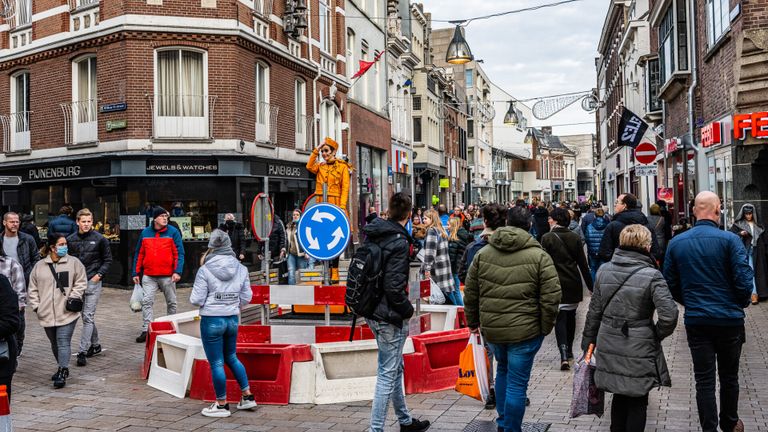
[(708, 272)]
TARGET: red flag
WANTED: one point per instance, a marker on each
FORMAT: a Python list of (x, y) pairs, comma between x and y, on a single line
[(365, 65)]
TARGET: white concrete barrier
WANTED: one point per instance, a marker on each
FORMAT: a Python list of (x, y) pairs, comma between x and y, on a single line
[(187, 323), (171, 369), (443, 317)]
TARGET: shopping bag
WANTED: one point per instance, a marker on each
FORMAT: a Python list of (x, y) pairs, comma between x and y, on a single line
[(436, 296), (473, 370), (138, 294), (587, 398)]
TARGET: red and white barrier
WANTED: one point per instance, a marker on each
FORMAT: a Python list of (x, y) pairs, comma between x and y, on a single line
[(299, 295), (299, 334)]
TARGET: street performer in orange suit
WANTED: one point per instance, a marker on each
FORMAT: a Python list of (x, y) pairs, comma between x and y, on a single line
[(335, 173)]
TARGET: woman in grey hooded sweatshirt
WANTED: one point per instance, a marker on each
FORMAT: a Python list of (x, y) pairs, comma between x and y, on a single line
[(751, 231), (221, 288)]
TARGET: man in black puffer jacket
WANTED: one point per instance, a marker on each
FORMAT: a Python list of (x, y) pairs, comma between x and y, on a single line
[(390, 319), (92, 249), (626, 213), (9, 326)]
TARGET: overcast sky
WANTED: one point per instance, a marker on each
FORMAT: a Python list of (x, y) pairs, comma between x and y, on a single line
[(537, 53)]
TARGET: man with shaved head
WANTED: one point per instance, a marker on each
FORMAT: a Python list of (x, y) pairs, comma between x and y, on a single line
[(708, 272)]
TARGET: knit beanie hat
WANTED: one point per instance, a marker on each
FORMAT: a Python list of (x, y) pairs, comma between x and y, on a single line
[(158, 211), (219, 239)]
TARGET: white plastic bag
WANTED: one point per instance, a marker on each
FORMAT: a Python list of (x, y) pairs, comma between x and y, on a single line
[(436, 295), (136, 297), (473, 370)]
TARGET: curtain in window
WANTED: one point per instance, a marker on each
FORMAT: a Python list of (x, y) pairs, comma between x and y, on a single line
[(21, 103), (167, 83), (192, 95), (85, 105)]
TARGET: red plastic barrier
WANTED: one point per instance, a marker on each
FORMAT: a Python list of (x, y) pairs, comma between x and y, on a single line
[(268, 367), (435, 363), (155, 329), (5, 405), (260, 294), (330, 295), (461, 318), (251, 334)]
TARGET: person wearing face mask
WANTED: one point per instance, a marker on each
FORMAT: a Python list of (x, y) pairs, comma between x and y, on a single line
[(235, 232), (297, 259), (54, 279), (334, 173), (750, 230)]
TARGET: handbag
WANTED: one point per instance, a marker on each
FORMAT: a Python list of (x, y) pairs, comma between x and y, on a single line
[(73, 304)]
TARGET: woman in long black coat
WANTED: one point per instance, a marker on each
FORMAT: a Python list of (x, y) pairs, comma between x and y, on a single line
[(9, 325)]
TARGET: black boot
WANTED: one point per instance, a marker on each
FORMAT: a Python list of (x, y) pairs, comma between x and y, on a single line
[(60, 379), (564, 365), (490, 403), (570, 353)]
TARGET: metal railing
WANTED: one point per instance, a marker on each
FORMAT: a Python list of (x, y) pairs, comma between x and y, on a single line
[(16, 132), (266, 122), (304, 128), (80, 121), (182, 116), (77, 4)]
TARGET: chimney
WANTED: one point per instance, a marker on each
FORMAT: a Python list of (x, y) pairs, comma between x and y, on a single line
[(547, 130)]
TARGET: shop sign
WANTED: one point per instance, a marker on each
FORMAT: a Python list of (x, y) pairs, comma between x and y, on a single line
[(445, 183), (114, 107), (711, 135), (666, 194), (60, 172), (673, 145), (116, 124), (182, 166), (279, 169), (757, 123), (570, 184)]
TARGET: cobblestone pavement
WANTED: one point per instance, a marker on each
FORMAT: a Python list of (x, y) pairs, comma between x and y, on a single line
[(108, 394)]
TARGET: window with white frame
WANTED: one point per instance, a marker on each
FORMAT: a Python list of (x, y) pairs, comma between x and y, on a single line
[(330, 122), (181, 102), (718, 21), (262, 102), (364, 85), (673, 41), (325, 27), (84, 100), (652, 85), (23, 14), (19, 119), (302, 130), (351, 58)]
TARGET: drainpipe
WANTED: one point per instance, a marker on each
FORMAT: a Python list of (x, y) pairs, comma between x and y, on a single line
[(692, 111)]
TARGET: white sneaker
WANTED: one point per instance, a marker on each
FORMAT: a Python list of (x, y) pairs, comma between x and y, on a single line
[(216, 411), (246, 402)]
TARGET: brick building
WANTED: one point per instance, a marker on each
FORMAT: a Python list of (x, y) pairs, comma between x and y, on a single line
[(197, 104)]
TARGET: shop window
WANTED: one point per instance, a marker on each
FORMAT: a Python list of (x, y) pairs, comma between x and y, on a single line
[(718, 21), (303, 122), (17, 124), (330, 122), (84, 107), (181, 103), (673, 41)]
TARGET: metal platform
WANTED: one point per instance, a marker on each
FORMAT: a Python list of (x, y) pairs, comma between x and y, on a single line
[(490, 426)]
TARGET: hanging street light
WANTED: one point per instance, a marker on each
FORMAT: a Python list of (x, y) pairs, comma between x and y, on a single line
[(510, 118), (458, 50)]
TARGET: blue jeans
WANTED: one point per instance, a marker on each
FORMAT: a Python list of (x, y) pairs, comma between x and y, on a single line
[(295, 262), (389, 376), (594, 264), (219, 336), (513, 371), (752, 265), (455, 296)]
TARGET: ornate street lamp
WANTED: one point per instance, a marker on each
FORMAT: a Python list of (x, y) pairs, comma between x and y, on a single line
[(458, 50), (510, 118)]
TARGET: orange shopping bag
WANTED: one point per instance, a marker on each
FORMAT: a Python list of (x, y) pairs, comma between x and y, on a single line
[(473, 370)]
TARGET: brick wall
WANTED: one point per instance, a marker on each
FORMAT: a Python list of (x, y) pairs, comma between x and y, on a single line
[(754, 14)]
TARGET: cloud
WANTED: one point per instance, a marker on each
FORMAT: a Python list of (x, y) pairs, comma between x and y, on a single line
[(532, 54)]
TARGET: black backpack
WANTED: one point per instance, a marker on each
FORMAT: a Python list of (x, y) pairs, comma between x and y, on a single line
[(364, 279)]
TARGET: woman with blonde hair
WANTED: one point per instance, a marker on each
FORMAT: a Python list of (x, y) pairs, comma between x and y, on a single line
[(630, 361), (437, 263), (458, 239)]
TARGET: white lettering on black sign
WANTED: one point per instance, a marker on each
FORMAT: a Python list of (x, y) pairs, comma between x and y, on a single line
[(284, 171), (182, 167), (54, 173)]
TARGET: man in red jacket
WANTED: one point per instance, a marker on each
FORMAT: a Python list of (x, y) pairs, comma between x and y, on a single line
[(158, 264)]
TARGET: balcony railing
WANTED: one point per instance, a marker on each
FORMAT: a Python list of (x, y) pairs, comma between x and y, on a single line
[(304, 128), (16, 136), (328, 63), (266, 122), (83, 15), (81, 121), (182, 116), (78, 4)]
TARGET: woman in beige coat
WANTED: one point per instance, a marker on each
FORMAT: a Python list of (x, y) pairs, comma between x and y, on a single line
[(48, 296)]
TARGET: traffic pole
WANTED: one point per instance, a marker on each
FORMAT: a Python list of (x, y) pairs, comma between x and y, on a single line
[(5, 410)]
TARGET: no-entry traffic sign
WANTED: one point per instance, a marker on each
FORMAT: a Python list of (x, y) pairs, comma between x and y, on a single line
[(645, 153)]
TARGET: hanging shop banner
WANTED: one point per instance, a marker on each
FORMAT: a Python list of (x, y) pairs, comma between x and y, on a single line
[(631, 129)]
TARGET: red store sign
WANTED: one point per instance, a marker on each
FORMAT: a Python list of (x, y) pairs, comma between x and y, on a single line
[(711, 135), (757, 123), (673, 145)]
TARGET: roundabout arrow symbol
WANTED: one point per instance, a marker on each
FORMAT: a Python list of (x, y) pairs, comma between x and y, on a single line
[(319, 216), (313, 243), (337, 236)]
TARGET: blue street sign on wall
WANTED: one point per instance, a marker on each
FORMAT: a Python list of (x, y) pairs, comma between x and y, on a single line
[(324, 231)]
